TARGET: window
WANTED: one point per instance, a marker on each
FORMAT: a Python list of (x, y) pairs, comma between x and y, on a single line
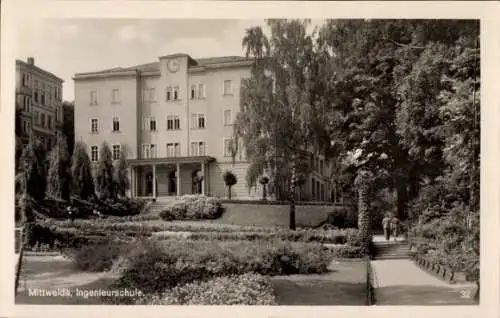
[(227, 148), (35, 96), (49, 121), (197, 148), (42, 119), (153, 151), (193, 91), (42, 139), (197, 121), (26, 103), (146, 150), (152, 124), (173, 149), (94, 125), (116, 124), (93, 98), (228, 119), (116, 152), (228, 87), (116, 96), (145, 123), (176, 93), (169, 94), (94, 153), (201, 91), (35, 118), (321, 166), (42, 97), (173, 122)]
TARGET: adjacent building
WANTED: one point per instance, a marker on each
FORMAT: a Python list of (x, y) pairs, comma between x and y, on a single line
[(174, 119), (38, 102)]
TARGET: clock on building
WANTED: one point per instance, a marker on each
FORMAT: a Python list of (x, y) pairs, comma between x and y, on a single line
[(173, 65)]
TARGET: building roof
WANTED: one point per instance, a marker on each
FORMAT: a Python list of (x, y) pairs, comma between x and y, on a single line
[(40, 70), (155, 66)]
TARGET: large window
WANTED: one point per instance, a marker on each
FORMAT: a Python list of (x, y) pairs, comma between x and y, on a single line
[(197, 148), (197, 121), (148, 151), (94, 126), (173, 149), (176, 93), (228, 87), (94, 153), (116, 96), (228, 117), (116, 152), (93, 98), (201, 91), (42, 119), (152, 124), (173, 122), (227, 148), (116, 124)]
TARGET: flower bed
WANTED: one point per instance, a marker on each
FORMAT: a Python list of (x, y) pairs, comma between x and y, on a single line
[(246, 289), (442, 272), (153, 267), (192, 207)]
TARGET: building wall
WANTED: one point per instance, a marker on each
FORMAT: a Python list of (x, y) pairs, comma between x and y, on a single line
[(125, 109), (31, 83)]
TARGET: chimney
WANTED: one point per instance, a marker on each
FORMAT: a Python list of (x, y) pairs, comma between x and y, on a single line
[(31, 61)]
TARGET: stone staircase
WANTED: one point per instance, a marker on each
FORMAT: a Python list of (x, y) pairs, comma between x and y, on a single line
[(391, 250), (157, 206)]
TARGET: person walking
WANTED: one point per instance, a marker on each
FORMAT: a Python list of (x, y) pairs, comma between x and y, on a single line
[(395, 227), (386, 224)]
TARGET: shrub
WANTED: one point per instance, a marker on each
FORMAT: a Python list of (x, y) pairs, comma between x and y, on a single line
[(346, 252), (153, 267), (99, 256), (246, 289), (192, 207)]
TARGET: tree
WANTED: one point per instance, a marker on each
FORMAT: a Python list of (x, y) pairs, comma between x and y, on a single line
[(34, 169), (59, 174), (363, 182), (121, 175), (105, 185), (229, 180), (68, 129), (81, 172), (275, 119)]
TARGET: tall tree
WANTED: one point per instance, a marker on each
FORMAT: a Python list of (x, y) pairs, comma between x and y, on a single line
[(68, 129), (34, 169), (104, 181), (59, 173), (275, 121), (121, 179), (81, 172)]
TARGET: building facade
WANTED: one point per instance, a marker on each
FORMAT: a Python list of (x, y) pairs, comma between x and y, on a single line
[(38, 102), (174, 118)]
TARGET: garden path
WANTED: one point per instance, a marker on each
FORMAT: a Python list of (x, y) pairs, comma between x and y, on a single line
[(401, 282)]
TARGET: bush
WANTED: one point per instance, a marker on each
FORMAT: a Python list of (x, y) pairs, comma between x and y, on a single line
[(153, 267), (100, 256), (192, 207), (246, 289), (346, 252)]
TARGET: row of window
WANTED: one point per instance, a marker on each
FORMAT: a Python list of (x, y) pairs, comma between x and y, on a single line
[(94, 152), (318, 164), (198, 121), (41, 92), (173, 93), (318, 191), (43, 120)]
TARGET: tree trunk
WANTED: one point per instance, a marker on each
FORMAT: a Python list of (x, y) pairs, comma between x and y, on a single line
[(229, 192), (264, 193), (292, 196)]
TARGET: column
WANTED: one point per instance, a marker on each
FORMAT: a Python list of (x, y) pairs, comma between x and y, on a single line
[(154, 181), (178, 174), (203, 180)]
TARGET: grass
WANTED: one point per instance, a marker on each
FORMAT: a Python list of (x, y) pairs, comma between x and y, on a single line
[(344, 285)]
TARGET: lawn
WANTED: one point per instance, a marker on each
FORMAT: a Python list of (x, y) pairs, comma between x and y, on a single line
[(343, 285)]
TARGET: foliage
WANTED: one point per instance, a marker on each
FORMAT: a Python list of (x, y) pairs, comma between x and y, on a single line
[(98, 257), (69, 124), (59, 174), (229, 180), (192, 207), (246, 289), (120, 176), (104, 181), (83, 184), (34, 169), (154, 267)]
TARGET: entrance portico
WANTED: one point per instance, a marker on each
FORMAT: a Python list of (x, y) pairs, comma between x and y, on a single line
[(166, 177)]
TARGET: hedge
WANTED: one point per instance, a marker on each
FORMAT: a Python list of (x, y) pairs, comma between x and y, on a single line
[(192, 207)]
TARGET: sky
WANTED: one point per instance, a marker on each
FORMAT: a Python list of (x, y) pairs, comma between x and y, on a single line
[(68, 46)]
